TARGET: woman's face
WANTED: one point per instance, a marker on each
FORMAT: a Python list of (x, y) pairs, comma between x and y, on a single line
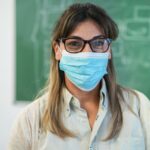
[(85, 30)]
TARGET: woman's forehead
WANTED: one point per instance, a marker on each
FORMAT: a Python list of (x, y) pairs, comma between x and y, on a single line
[(87, 29)]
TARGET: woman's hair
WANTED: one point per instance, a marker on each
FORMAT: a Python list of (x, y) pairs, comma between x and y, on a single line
[(52, 118)]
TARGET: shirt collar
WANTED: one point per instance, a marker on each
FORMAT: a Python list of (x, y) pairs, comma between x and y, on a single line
[(69, 98), (104, 95)]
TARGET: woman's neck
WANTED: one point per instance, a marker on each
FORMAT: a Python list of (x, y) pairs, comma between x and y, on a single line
[(87, 99)]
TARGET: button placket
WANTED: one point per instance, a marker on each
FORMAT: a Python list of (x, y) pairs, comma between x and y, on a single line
[(97, 124), (92, 147), (67, 112)]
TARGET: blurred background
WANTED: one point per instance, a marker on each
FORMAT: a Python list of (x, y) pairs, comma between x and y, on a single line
[(34, 23), (25, 32)]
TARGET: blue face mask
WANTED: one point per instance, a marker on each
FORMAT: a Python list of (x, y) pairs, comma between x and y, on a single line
[(84, 69)]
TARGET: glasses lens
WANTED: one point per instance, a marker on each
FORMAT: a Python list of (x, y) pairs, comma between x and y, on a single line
[(74, 45), (99, 45)]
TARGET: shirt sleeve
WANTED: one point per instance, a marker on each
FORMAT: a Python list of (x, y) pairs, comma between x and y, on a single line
[(20, 136), (145, 117)]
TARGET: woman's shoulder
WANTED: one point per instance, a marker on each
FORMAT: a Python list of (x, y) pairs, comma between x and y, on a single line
[(36, 106), (132, 95), (26, 125), (143, 99), (135, 99), (32, 113), (140, 105)]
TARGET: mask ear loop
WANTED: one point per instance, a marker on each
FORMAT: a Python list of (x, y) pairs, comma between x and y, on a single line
[(61, 72), (58, 46), (60, 50), (109, 50)]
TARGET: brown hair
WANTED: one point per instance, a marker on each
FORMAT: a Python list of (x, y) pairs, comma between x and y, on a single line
[(68, 21)]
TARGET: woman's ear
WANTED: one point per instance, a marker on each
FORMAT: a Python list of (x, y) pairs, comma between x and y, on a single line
[(57, 51)]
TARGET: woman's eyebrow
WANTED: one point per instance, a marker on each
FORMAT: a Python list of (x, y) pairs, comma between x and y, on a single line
[(78, 37)]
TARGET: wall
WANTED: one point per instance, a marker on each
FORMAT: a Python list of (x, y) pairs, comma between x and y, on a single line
[(8, 109)]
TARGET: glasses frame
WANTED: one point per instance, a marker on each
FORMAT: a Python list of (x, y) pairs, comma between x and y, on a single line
[(63, 40)]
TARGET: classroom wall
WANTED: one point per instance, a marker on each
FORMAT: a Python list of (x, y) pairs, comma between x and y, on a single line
[(8, 109)]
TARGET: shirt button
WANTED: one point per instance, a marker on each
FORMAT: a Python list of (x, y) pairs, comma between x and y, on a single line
[(97, 117)]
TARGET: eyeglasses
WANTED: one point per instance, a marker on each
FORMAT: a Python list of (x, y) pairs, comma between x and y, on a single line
[(98, 44)]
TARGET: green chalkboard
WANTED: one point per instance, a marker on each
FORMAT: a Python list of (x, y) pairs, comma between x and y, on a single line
[(34, 23)]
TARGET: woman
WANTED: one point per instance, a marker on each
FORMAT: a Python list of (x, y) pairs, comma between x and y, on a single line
[(83, 107)]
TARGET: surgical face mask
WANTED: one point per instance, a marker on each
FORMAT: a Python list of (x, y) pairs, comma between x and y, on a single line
[(84, 69)]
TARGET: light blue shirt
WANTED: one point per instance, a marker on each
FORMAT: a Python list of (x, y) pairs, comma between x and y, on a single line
[(134, 135)]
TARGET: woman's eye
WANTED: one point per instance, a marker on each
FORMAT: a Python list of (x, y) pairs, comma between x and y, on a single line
[(98, 43), (74, 43)]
